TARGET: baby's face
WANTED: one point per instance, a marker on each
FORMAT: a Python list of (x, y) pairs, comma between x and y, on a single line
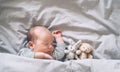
[(42, 42), (44, 45)]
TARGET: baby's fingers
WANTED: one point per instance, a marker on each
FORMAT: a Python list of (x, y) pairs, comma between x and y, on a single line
[(56, 32)]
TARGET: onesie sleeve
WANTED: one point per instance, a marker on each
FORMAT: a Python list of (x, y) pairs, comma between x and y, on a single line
[(58, 53), (26, 53)]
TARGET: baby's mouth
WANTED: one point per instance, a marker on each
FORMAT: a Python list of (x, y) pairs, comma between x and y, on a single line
[(50, 52)]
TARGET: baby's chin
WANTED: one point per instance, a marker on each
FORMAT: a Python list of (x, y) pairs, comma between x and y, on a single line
[(50, 52)]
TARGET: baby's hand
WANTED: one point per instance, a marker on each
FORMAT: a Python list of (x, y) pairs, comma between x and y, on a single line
[(58, 36), (57, 33), (41, 55)]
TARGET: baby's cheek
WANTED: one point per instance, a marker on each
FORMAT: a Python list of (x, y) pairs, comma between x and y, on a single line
[(43, 49), (49, 50)]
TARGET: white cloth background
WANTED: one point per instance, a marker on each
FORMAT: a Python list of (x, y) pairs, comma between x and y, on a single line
[(95, 21)]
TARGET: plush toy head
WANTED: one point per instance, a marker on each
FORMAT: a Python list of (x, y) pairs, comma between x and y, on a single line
[(85, 47), (84, 51)]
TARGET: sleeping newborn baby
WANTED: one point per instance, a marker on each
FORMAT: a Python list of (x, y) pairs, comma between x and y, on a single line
[(40, 43)]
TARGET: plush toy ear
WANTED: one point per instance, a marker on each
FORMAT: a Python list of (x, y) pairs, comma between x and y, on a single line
[(77, 44)]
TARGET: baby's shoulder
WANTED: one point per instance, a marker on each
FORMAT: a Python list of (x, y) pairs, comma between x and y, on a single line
[(25, 49)]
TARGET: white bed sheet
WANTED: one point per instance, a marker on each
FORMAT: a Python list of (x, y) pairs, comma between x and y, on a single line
[(95, 21)]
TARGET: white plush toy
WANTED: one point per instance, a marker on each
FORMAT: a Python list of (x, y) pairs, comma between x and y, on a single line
[(71, 50)]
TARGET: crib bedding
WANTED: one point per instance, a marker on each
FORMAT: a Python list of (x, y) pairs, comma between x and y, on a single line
[(13, 63), (93, 21)]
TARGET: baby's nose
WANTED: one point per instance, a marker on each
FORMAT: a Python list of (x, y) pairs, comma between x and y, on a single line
[(51, 47)]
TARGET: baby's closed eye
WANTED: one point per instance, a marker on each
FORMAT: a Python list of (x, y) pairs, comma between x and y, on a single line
[(45, 43), (48, 44)]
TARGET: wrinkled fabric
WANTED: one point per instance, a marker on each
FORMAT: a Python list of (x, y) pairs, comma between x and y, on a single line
[(93, 21), (13, 63)]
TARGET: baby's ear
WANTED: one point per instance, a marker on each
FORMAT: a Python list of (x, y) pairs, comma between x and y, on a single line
[(31, 45)]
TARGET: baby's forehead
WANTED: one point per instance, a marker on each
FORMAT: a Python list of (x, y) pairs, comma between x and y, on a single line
[(39, 31)]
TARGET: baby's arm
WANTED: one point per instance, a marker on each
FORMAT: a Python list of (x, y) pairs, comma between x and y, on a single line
[(58, 53), (58, 36), (41, 55), (26, 52)]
